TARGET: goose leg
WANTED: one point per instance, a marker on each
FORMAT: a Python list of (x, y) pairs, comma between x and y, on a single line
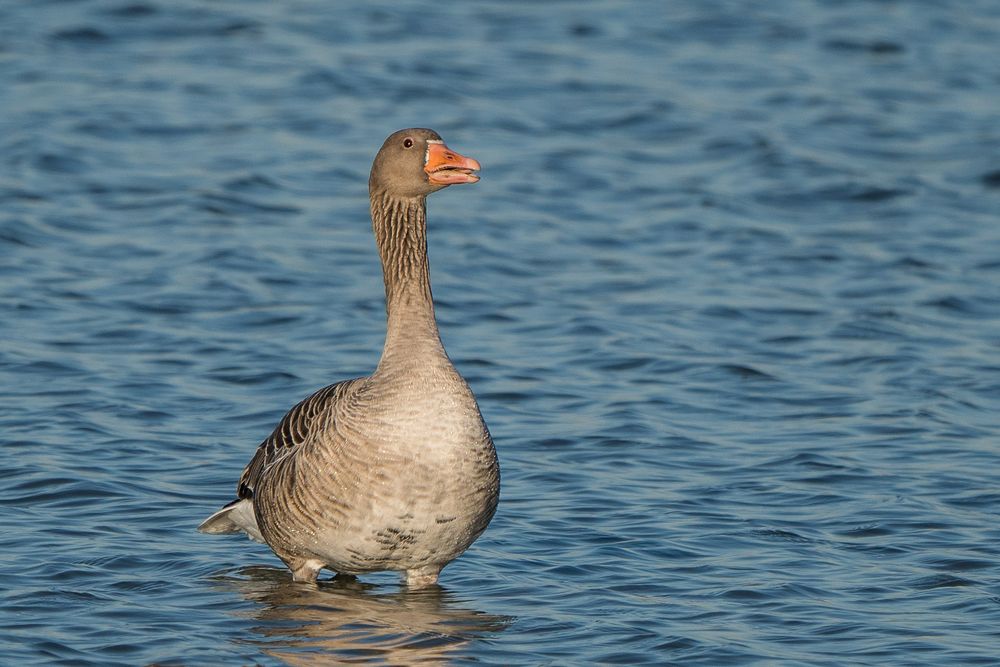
[(304, 570), (422, 577)]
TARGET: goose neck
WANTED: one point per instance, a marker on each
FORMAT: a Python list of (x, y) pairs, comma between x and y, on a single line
[(400, 227)]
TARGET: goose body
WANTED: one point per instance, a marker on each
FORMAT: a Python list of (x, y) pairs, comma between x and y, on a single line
[(396, 470)]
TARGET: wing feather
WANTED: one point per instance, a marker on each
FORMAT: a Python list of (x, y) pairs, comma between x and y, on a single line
[(291, 432)]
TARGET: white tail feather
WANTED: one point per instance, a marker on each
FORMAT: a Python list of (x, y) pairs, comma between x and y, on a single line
[(235, 517)]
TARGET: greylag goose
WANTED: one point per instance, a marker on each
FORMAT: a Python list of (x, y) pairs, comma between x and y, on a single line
[(397, 470)]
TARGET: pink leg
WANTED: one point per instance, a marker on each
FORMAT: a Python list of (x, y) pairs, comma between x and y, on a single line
[(303, 570), (422, 577)]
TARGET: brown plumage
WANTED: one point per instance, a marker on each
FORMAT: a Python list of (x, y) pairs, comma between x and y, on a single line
[(394, 471)]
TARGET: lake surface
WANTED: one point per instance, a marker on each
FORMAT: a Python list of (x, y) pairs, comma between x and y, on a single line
[(728, 293)]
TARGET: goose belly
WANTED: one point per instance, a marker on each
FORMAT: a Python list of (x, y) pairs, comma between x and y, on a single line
[(413, 525), (398, 507)]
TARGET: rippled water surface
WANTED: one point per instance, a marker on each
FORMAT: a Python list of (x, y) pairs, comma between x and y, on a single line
[(728, 292)]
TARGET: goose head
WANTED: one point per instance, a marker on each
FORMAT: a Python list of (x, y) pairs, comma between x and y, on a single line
[(416, 162)]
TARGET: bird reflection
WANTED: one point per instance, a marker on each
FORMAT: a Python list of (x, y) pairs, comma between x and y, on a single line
[(343, 620)]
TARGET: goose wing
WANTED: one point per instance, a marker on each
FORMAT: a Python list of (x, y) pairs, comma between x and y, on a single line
[(293, 430)]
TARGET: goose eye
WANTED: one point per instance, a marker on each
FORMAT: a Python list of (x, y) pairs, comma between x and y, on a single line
[(407, 143)]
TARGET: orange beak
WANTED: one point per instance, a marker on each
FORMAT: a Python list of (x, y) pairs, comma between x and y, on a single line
[(446, 167)]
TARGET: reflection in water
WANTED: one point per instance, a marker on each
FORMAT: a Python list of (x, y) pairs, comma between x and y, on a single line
[(345, 620)]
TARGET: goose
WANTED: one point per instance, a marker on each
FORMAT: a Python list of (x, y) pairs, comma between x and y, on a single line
[(397, 470)]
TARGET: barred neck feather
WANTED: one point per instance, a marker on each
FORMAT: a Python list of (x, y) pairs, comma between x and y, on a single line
[(400, 226)]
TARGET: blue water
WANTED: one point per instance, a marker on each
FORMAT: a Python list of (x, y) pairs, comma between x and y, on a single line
[(728, 292)]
